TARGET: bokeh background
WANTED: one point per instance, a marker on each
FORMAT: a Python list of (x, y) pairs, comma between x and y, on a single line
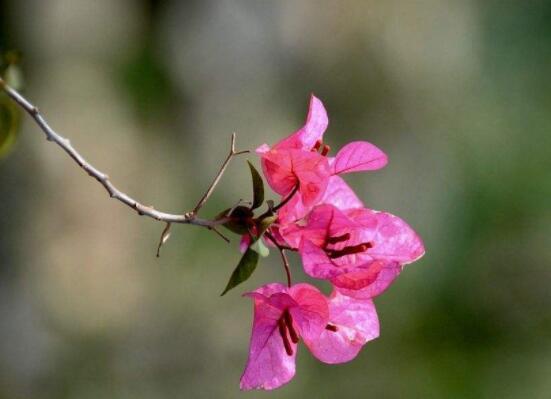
[(458, 93)]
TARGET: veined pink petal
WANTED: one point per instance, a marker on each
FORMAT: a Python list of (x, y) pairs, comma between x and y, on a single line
[(391, 237), (358, 156), (268, 366), (278, 170), (316, 263), (312, 172), (352, 323), (305, 138), (284, 169), (370, 282), (338, 193), (270, 363), (312, 313)]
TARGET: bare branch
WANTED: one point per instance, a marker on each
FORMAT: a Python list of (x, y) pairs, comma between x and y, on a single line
[(103, 178), (222, 236), (218, 176)]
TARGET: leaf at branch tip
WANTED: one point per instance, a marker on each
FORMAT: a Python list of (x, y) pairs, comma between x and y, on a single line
[(258, 187), (244, 270)]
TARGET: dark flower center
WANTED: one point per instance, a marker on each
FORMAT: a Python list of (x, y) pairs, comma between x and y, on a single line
[(322, 148), (287, 331), (348, 250)]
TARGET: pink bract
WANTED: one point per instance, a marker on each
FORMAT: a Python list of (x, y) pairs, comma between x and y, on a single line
[(334, 329), (270, 363), (295, 160), (355, 248), (353, 322), (338, 194)]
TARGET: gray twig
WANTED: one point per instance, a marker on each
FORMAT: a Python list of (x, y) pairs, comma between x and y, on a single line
[(103, 178)]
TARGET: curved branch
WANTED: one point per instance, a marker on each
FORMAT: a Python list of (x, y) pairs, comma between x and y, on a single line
[(103, 178)]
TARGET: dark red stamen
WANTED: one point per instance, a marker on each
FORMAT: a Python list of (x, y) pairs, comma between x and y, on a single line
[(335, 240), (283, 333), (331, 327), (289, 322), (348, 250), (325, 150), (316, 146)]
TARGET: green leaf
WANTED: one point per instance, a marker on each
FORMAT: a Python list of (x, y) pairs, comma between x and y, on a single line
[(265, 223), (244, 269), (258, 187), (14, 77)]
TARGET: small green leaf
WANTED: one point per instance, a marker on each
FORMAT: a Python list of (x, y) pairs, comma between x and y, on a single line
[(258, 187), (265, 223), (14, 77), (244, 269), (259, 247)]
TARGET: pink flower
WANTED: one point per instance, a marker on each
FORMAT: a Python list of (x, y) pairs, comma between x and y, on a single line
[(296, 162), (244, 243), (352, 323), (356, 248), (338, 194), (334, 329)]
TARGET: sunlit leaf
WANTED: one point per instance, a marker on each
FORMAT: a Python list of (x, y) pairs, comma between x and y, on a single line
[(244, 269), (13, 77), (258, 187), (265, 223)]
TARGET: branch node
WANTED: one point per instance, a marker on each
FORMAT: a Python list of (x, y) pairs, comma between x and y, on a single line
[(217, 178), (103, 179)]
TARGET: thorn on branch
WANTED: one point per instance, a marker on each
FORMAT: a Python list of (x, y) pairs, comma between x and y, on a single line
[(219, 234), (165, 235), (217, 178)]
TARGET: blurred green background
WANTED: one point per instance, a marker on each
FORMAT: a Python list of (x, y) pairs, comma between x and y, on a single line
[(457, 93)]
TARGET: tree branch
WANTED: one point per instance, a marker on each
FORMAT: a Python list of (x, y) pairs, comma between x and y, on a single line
[(103, 178), (217, 178)]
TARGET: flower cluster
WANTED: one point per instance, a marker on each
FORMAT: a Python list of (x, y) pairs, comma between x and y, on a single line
[(359, 250)]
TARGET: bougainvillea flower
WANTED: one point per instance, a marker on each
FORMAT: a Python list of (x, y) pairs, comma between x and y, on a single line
[(354, 248), (358, 156), (287, 169), (338, 194), (352, 323), (301, 160), (281, 315), (333, 328)]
